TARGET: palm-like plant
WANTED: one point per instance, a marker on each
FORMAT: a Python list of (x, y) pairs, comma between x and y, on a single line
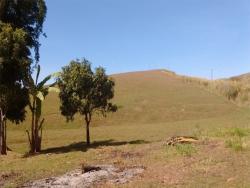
[(38, 91)]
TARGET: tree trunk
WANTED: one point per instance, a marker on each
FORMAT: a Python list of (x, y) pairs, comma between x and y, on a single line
[(33, 137), (3, 145), (36, 129), (1, 131), (36, 135), (40, 135), (87, 134), (2, 7), (87, 121)]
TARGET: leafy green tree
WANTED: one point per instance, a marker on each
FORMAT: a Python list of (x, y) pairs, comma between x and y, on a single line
[(13, 101), (38, 91), (21, 26), (85, 92), (28, 15), (14, 66)]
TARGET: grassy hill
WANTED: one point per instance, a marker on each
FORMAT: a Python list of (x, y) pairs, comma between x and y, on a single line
[(156, 96), (243, 77), (154, 105)]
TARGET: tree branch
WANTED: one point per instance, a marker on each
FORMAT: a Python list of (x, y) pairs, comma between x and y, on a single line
[(29, 137)]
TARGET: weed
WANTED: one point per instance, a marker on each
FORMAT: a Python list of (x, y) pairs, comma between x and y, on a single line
[(197, 131), (235, 143), (240, 132), (185, 149), (237, 132)]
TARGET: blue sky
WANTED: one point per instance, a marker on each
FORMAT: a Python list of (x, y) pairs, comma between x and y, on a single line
[(190, 37)]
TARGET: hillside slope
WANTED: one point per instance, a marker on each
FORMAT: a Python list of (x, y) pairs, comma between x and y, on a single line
[(148, 97), (157, 96), (243, 77), (154, 105)]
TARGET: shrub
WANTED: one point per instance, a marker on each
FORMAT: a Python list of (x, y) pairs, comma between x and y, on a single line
[(230, 90)]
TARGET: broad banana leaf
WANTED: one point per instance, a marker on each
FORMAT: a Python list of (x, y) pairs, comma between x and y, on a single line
[(38, 73), (43, 82), (40, 96)]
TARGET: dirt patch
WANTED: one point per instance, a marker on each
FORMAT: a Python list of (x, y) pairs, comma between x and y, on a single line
[(101, 174), (125, 155), (211, 161), (4, 177)]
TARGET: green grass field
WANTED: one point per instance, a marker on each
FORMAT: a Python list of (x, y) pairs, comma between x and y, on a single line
[(153, 106)]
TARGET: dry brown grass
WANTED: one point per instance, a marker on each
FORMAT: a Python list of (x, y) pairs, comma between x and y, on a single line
[(155, 105), (236, 90)]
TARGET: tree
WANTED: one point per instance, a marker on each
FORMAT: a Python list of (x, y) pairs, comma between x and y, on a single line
[(85, 92), (14, 66), (28, 15), (12, 107), (38, 91), (21, 24)]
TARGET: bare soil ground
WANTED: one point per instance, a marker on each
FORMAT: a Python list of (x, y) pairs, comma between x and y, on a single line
[(158, 165)]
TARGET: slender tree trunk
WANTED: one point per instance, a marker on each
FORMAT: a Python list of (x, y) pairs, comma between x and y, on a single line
[(36, 129), (2, 7), (87, 121), (1, 130), (32, 145), (87, 134), (36, 133), (3, 145), (40, 134)]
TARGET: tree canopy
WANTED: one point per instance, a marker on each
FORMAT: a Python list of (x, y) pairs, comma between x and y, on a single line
[(21, 24), (14, 66), (85, 92), (28, 15), (14, 55)]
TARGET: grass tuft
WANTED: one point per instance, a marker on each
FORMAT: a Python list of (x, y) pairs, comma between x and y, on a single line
[(240, 132), (185, 149), (236, 143)]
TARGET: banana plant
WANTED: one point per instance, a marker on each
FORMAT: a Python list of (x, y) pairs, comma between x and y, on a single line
[(38, 91)]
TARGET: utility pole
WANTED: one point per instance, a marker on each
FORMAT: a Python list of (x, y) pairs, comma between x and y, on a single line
[(212, 74)]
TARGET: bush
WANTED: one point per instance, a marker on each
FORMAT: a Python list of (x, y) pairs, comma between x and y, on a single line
[(231, 90)]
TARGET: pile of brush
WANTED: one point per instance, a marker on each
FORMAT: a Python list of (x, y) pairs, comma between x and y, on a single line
[(181, 140)]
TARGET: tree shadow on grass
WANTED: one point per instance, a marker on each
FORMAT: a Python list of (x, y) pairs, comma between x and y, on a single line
[(81, 146)]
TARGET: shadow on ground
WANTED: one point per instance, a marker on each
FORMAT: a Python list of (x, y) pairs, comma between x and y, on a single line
[(81, 146)]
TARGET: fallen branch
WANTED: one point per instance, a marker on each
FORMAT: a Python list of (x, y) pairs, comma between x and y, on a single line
[(181, 140)]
